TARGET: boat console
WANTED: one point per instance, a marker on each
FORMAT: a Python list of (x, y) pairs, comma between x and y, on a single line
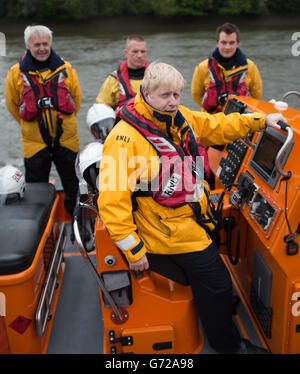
[(259, 176)]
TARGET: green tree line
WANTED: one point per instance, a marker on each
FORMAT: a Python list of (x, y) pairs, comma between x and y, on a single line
[(40, 10)]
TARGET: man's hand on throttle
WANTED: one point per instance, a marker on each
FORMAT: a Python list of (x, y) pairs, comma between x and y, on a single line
[(273, 118)]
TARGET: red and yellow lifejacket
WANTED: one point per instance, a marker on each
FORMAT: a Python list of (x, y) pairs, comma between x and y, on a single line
[(125, 91), (38, 97), (219, 88), (180, 165)]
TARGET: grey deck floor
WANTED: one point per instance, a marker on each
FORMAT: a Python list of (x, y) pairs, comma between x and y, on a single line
[(77, 326)]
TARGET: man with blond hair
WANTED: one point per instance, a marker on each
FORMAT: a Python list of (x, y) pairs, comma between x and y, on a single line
[(124, 83), (161, 210)]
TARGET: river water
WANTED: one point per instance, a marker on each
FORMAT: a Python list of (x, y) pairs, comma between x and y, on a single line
[(96, 52)]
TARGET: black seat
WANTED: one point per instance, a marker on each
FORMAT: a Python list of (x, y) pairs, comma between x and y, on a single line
[(22, 225)]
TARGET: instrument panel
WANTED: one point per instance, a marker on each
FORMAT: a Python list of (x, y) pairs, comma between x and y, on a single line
[(252, 173), (260, 181)]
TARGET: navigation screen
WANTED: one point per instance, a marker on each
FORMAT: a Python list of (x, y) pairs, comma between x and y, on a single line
[(266, 152)]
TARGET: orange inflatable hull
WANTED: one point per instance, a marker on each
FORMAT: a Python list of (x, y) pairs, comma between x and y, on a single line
[(28, 298)]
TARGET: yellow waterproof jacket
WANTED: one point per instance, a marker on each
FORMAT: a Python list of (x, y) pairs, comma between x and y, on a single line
[(201, 80), (128, 159), (31, 136), (109, 91)]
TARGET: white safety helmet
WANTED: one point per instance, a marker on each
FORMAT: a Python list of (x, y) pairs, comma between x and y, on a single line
[(100, 120), (88, 162), (12, 185)]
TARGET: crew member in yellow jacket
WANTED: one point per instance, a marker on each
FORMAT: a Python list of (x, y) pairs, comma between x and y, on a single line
[(43, 95), (123, 83), (226, 71), (151, 200)]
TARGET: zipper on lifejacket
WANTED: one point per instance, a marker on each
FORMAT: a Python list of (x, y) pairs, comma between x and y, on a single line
[(225, 85), (49, 112), (52, 127)]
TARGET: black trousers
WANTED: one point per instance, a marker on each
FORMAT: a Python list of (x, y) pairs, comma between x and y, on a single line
[(212, 290), (37, 169)]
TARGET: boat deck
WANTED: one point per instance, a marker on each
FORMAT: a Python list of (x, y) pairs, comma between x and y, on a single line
[(78, 327)]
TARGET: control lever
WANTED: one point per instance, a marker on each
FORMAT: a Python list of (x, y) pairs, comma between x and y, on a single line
[(247, 140), (138, 274), (284, 126)]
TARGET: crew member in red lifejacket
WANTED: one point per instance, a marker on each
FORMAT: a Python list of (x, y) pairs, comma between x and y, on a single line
[(123, 84), (151, 201), (43, 95), (226, 71)]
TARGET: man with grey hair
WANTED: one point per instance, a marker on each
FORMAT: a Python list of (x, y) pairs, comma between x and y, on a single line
[(40, 30), (43, 95), (159, 140), (124, 83)]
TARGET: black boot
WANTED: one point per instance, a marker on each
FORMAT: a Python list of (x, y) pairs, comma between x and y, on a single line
[(245, 347)]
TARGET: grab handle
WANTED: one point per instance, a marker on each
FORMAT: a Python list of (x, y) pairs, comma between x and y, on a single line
[(296, 93), (284, 126)]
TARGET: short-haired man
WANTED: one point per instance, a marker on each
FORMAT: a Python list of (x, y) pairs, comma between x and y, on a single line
[(124, 83), (144, 156), (226, 71), (43, 95)]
